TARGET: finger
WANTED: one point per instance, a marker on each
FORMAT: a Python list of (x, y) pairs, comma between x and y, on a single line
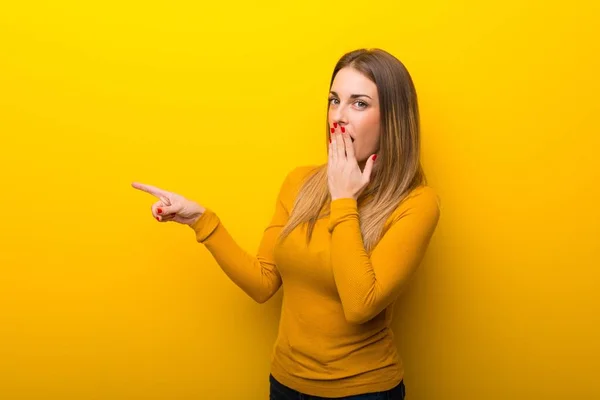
[(151, 189), (158, 209), (330, 152), (166, 218), (369, 167), (333, 150), (348, 147), (167, 210), (340, 147), (165, 200)]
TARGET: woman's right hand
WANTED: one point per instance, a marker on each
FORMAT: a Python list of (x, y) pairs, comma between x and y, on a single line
[(171, 206)]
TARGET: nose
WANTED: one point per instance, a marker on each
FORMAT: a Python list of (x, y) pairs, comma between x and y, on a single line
[(339, 115)]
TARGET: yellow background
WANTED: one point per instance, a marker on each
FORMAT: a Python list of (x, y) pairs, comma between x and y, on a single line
[(218, 101)]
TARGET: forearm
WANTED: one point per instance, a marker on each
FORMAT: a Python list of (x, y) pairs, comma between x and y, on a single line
[(368, 283), (355, 277), (255, 275)]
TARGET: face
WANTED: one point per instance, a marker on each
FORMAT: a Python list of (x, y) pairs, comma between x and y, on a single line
[(354, 104)]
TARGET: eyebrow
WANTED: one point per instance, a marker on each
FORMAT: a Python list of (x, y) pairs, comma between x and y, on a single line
[(352, 96)]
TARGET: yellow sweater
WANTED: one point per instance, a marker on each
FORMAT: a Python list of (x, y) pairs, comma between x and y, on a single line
[(334, 336)]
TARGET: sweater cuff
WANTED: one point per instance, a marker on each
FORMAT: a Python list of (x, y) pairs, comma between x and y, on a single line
[(342, 209), (205, 225)]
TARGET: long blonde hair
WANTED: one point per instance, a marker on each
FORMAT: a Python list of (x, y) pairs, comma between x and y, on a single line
[(398, 168)]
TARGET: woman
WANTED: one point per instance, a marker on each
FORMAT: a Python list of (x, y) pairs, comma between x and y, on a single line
[(343, 242)]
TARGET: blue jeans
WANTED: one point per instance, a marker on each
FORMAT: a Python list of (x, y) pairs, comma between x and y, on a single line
[(278, 391)]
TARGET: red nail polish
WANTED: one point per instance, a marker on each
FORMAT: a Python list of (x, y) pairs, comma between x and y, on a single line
[(335, 124), (332, 130), (159, 210), (374, 157), (157, 218), (343, 129)]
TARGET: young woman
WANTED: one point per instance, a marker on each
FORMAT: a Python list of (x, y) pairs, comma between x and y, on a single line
[(343, 242)]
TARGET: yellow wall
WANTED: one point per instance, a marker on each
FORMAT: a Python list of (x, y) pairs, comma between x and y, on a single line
[(218, 102)]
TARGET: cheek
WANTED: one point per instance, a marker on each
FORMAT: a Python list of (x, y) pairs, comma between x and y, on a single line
[(368, 128)]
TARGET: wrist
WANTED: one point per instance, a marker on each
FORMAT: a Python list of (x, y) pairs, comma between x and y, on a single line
[(196, 217)]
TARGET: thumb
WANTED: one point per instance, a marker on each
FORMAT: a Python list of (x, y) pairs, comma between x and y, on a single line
[(166, 210), (369, 166)]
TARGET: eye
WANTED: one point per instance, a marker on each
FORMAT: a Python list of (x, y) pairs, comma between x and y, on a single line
[(332, 99), (364, 105)]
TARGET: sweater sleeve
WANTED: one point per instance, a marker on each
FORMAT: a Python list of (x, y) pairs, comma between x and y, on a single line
[(367, 284), (256, 274)]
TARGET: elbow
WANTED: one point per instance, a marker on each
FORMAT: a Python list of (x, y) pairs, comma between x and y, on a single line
[(363, 310), (357, 316), (262, 297)]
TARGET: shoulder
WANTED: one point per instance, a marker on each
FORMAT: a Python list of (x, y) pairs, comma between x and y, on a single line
[(424, 195), (293, 181), (298, 175), (423, 201)]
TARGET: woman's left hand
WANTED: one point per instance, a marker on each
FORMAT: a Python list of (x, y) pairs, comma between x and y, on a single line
[(345, 179)]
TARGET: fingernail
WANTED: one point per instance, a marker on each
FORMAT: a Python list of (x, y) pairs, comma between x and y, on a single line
[(343, 129), (158, 218), (374, 157), (332, 130), (335, 124), (159, 210)]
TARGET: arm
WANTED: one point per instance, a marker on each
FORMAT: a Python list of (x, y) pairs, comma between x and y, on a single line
[(368, 284), (256, 275)]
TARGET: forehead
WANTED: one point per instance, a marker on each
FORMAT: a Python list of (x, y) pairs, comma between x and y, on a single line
[(349, 81)]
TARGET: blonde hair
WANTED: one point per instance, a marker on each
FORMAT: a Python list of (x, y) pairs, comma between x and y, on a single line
[(398, 168)]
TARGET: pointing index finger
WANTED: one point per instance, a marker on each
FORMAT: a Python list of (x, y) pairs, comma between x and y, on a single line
[(150, 189)]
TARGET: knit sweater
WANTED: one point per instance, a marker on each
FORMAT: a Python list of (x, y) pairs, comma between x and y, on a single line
[(334, 336)]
